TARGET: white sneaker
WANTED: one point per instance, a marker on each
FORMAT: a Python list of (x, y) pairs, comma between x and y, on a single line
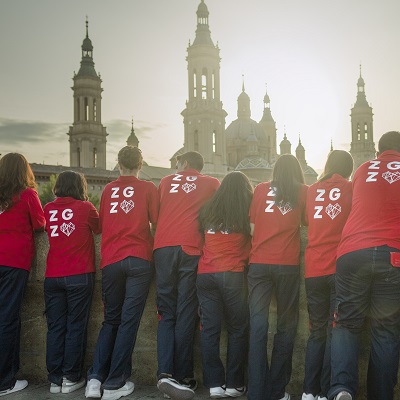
[(115, 394), (308, 396), (173, 389), (322, 398), (93, 389), (236, 392), (286, 396), (218, 392), (69, 386), (54, 388), (19, 385), (343, 396)]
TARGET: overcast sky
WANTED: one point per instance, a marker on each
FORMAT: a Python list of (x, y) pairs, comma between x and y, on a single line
[(307, 52)]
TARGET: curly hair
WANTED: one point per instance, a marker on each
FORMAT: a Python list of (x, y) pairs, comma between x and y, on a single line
[(15, 176), (130, 157), (228, 209)]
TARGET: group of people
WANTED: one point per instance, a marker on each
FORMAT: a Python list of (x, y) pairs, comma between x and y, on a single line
[(220, 253)]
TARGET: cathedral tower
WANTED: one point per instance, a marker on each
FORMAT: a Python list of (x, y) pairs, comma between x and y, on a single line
[(362, 134), (204, 117), (87, 136), (269, 126)]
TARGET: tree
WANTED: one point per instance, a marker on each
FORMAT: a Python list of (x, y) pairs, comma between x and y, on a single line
[(46, 194)]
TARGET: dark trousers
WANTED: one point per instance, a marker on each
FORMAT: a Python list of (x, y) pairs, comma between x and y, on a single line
[(177, 305), (12, 286), (367, 285), (264, 280), (67, 301), (125, 288), (222, 296), (321, 297)]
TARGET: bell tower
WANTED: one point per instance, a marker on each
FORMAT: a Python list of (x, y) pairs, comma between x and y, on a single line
[(87, 136), (204, 117), (362, 134)]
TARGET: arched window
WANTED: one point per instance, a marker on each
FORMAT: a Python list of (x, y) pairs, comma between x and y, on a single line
[(358, 132), (86, 109), (94, 110), (204, 85), (214, 142)]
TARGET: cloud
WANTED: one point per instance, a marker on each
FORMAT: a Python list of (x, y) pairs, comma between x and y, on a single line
[(15, 132)]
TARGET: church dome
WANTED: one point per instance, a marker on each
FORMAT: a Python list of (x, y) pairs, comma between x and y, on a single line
[(253, 162), (243, 96), (242, 128)]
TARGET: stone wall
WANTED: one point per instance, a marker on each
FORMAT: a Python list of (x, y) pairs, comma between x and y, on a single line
[(33, 337)]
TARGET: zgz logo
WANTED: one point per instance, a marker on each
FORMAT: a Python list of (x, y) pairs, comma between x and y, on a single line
[(66, 215), (186, 187), (389, 176), (334, 194), (270, 203), (126, 206)]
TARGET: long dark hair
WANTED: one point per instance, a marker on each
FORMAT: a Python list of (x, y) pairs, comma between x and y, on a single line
[(228, 209), (338, 162), (71, 184), (15, 176), (287, 176)]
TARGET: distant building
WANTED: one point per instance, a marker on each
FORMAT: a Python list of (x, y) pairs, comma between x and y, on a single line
[(362, 130)]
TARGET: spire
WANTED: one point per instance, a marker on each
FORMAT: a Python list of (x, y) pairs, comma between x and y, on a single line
[(331, 145), (361, 98), (301, 154), (87, 64), (132, 139), (243, 103), (203, 34), (285, 146)]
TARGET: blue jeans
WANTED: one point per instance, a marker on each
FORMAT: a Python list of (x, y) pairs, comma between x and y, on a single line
[(264, 280), (125, 288), (367, 285), (177, 304), (321, 297), (67, 301), (12, 286), (222, 296)]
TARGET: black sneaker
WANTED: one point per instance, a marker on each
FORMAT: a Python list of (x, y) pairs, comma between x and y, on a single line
[(190, 383), (174, 389)]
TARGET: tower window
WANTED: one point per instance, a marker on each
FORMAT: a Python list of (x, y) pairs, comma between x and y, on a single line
[(358, 132), (204, 85), (94, 157), (196, 140), (194, 85), (365, 131), (94, 110), (86, 109), (214, 142), (78, 153), (78, 109), (213, 85)]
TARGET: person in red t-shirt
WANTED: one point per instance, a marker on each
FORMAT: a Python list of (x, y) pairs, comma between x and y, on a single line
[(177, 247), (128, 215), (327, 208), (71, 221), (20, 215), (221, 284), (276, 213), (368, 278)]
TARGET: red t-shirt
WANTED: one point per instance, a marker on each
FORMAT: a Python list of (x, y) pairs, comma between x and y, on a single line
[(69, 226), (16, 230), (127, 207), (224, 251), (276, 237), (181, 197), (374, 219), (327, 209)]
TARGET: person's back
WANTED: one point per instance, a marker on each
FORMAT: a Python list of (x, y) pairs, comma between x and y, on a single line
[(181, 197), (375, 216)]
